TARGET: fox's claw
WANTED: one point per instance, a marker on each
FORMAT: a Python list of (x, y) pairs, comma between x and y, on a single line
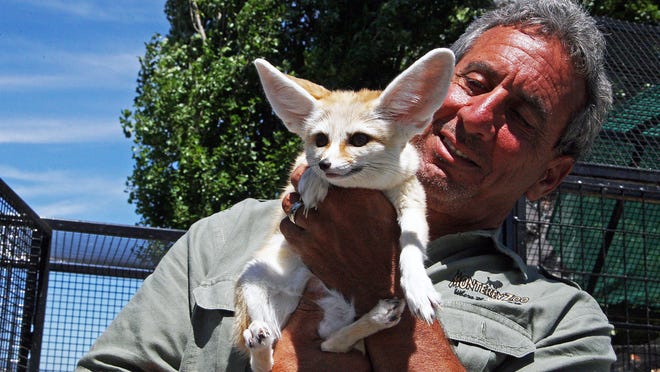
[(422, 298), (258, 335)]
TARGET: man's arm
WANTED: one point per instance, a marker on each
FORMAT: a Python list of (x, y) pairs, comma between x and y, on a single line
[(299, 348), (158, 329), (351, 242), (424, 346)]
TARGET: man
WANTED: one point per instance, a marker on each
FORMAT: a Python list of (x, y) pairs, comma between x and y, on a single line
[(528, 96)]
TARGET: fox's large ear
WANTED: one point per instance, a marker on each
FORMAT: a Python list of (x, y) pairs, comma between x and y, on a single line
[(416, 94), (289, 100), (317, 91)]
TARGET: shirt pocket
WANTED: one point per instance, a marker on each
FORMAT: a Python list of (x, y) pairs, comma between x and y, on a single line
[(483, 338), (217, 294), (210, 347)]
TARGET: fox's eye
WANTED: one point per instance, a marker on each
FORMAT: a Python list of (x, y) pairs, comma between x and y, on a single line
[(359, 139), (321, 140)]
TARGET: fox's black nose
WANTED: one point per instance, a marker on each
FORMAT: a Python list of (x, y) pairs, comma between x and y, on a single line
[(324, 164)]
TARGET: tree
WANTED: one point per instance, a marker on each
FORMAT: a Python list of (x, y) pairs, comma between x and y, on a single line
[(642, 11), (205, 138)]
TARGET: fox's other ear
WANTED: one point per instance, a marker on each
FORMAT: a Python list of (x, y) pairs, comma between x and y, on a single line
[(317, 91), (417, 93), (289, 100)]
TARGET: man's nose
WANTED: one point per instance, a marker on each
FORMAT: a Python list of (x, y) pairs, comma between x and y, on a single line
[(482, 115)]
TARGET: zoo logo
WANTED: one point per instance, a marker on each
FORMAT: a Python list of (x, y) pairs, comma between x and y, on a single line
[(462, 283)]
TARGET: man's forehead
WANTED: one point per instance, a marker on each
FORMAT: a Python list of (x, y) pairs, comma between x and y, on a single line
[(550, 77), (494, 74)]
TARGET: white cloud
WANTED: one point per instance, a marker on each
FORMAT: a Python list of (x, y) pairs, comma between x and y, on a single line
[(31, 81), (109, 11), (50, 183), (16, 174), (65, 209), (49, 131), (70, 194), (119, 64), (71, 70)]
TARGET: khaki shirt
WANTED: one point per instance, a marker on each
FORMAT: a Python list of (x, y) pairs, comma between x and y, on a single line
[(500, 314)]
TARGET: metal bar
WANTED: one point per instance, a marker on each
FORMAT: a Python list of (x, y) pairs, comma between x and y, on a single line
[(125, 231), (519, 228), (617, 212), (40, 311), (100, 270), (609, 172), (29, 301), (614, 190), (7, 295), (18, 204), (643, 327)]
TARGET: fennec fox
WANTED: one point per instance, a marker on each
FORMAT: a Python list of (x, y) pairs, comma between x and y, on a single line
[(351, 139)]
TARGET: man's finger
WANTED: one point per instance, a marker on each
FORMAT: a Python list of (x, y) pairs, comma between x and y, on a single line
[(294, 209), (296, 174)]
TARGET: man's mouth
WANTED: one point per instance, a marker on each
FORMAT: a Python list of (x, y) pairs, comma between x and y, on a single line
[(453, 149)]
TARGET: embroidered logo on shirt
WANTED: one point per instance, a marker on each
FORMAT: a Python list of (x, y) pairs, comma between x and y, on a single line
[(463, 283)]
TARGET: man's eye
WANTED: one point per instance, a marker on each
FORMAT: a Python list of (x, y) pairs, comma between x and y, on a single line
[(520, 118), (475, 86), (359, 139), (321, 140), (472, 85)]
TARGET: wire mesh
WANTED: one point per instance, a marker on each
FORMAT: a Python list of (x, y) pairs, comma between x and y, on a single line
[(80, 307), (21, 241), (605, 237), (631, 134), (94, 271)]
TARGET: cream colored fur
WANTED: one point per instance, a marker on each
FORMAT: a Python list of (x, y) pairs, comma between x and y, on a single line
[(334, 126)]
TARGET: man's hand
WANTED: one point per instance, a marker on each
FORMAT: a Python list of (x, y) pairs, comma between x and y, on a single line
[(351, 243), (299, 349)]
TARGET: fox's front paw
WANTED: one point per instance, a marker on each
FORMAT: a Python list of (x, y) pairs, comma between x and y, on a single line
[(258, 335), (312, 188), (422, 298)]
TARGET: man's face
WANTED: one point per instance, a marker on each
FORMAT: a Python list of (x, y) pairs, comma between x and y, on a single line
[(492, 141)]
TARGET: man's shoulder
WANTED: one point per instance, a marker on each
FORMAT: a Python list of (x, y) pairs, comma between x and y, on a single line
[(234, 233), (545, 282), (562, 297), (253, 211), (545, 274)]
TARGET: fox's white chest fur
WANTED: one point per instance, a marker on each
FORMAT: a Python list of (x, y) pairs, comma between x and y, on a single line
[(351, 139)]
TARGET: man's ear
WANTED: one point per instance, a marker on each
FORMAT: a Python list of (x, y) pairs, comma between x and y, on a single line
[(558, 168)]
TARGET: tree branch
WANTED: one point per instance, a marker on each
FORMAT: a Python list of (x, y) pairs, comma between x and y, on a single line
[(197, 19)]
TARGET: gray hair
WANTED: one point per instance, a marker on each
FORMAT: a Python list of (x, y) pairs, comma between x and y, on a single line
[(585, 45)]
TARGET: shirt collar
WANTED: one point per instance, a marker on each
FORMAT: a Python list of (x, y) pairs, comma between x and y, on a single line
[(453, 244)]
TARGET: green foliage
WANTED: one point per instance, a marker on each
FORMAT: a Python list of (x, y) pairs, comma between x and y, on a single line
[(204, 136), (364, 44), (641, 11)]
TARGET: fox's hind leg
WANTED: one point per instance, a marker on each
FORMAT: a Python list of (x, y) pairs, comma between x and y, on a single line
[(386, 314)]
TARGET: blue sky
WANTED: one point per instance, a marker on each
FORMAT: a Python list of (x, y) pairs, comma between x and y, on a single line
[(67, 69)]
